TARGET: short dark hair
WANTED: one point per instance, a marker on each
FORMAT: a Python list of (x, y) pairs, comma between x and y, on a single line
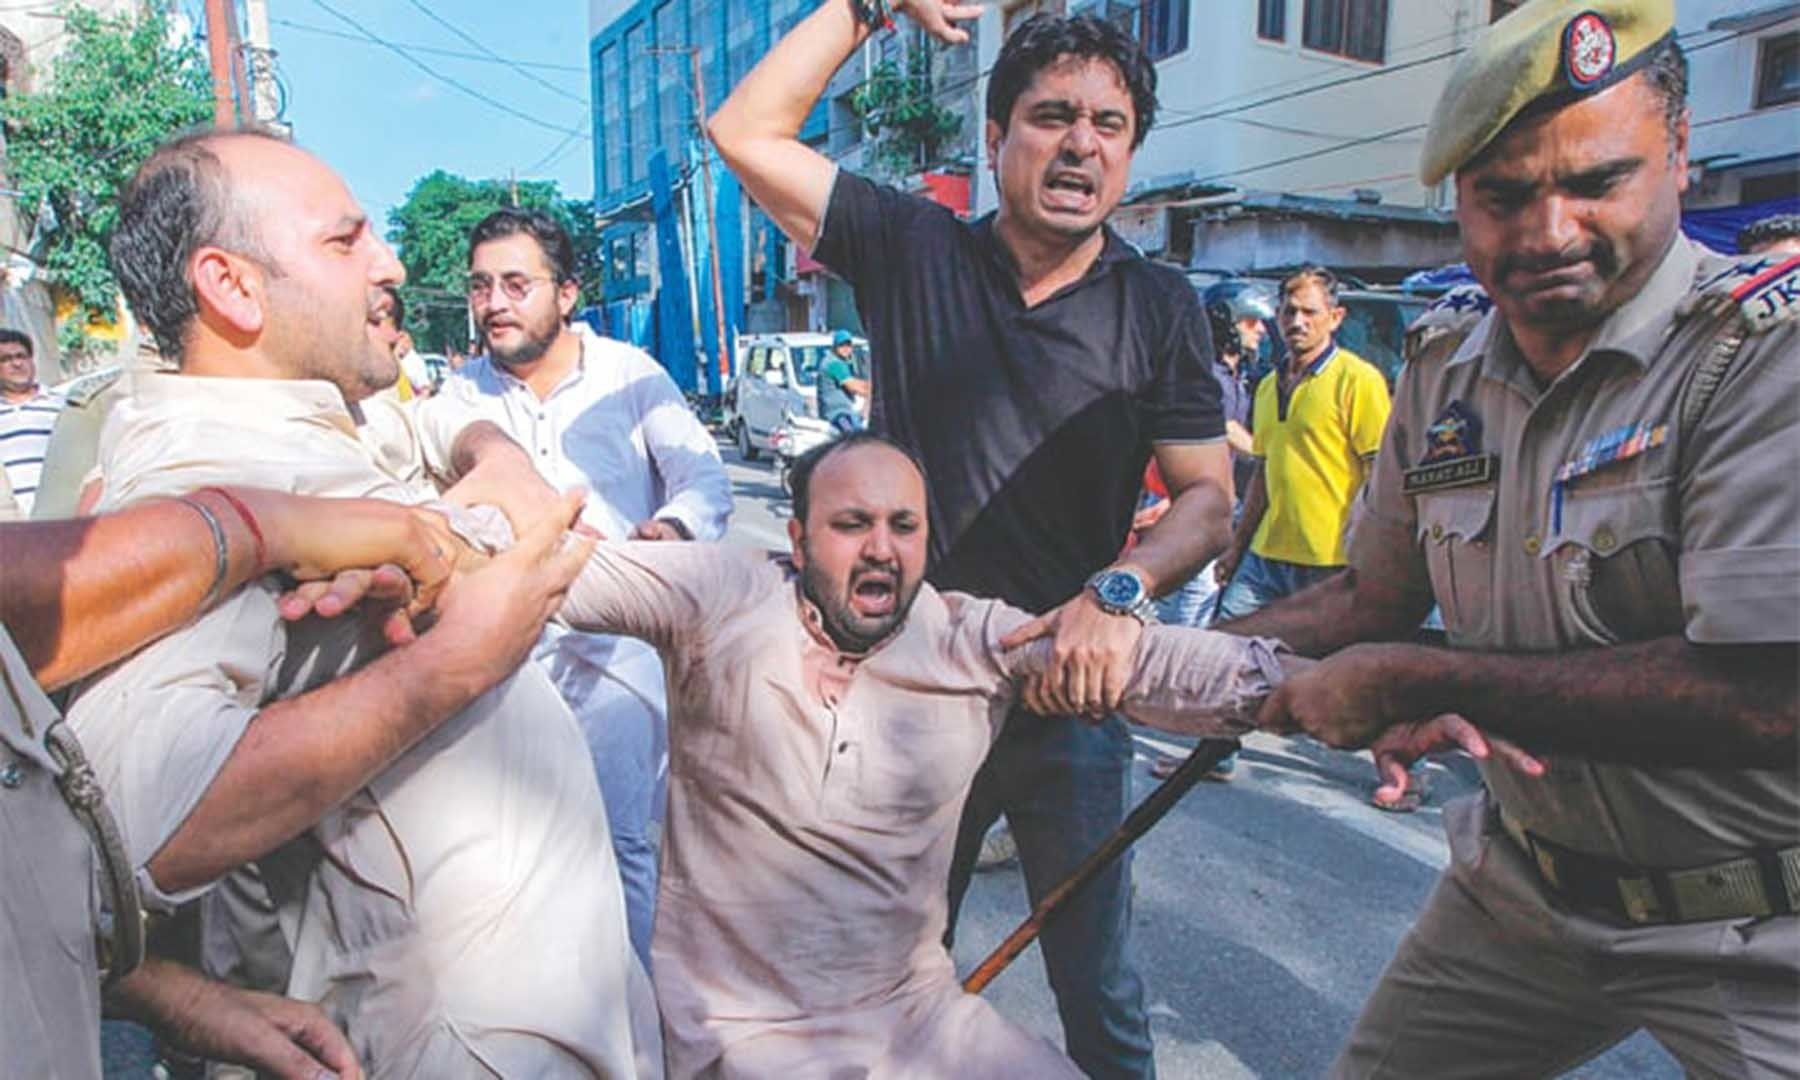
[(1769, 230), (1313, 274), (800, 474), (398, 312), (15, 337), (552, 239), (1043, 39), (179, 200), (1667, 73)]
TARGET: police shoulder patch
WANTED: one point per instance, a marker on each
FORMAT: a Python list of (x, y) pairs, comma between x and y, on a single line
[(1763, 291)]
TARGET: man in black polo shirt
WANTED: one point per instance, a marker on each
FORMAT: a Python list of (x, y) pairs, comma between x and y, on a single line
[(1034, 361)]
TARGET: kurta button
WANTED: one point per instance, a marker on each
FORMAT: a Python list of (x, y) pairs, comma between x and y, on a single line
[(1533, 545), (1437, 531), (1604, 540), (843, 747), (11, 776)]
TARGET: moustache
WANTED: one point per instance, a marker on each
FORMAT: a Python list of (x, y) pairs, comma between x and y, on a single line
[(1600, 254), (865, 567)]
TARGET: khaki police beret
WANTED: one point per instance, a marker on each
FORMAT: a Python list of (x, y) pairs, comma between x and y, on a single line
[(1554, 51)]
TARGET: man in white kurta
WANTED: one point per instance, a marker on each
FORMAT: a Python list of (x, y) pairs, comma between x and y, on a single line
[(599, 414)]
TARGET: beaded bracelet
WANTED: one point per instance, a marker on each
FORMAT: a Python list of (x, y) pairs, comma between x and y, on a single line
[(221, 553)]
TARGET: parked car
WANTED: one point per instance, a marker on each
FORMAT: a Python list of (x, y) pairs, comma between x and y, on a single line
[(777, 377)]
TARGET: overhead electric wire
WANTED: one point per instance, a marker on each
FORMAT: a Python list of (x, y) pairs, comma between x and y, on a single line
[(464, 87), (491, 54), (431, 50)]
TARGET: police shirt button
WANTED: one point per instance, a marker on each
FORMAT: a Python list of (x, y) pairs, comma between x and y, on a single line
[(11, 776), (1437, 531), (1533, 545), (1604, 540)]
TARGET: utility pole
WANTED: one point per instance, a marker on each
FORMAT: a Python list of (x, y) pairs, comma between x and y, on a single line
[(712, 205), (218, 55), (259, 56)]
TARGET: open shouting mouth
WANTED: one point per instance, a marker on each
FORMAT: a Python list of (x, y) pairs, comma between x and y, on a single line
[(874, 593)]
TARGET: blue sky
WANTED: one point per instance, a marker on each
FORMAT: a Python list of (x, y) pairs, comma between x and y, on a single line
[(383, 122)]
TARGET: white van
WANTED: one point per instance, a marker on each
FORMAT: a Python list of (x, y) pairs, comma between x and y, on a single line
[(778, 374)]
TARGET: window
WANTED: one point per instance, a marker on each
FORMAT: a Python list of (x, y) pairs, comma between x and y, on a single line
[(743, 39), (1161, 25), (1778, 71), (674, 107), (1353, 28), (1271, 19), (1501, 8), (640, 122), (1165, 28), (613, 136)]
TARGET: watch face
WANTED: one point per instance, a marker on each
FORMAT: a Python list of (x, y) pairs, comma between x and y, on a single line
[(1119, 589)]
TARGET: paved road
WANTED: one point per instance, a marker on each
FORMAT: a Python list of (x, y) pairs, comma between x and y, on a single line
[(1265, 908)]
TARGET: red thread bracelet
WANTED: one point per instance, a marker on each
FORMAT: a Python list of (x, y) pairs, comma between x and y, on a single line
[(237, 504)]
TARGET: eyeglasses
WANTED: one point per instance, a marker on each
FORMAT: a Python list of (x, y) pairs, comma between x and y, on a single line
[(516, 287)]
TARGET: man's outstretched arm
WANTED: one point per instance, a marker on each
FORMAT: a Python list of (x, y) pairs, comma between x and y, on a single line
[(299, 758), (82, 593), (757, 130), (1663, 702)]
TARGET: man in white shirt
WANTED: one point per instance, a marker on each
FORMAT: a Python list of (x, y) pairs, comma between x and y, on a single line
[(595, 413), (27, 413)]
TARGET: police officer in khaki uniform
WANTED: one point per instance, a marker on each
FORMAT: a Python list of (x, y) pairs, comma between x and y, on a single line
[(1590, 468), (80, 594)]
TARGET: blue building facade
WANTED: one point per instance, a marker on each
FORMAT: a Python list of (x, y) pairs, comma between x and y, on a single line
[(648, 192)]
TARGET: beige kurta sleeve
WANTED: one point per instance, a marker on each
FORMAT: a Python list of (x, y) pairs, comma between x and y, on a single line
[(1740, 506), (159, 726), (660, 591), (436, 420), (1183, 679)]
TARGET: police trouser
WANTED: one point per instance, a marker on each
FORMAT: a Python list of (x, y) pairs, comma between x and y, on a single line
[(1498, 978)]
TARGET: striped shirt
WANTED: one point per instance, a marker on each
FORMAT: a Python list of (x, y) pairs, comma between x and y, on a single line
[(24, 435)]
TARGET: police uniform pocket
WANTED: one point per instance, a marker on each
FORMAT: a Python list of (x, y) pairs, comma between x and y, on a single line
[(1614, 551), (1455, 530)]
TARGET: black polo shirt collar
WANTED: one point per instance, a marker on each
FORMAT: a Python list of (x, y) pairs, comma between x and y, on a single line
[(1113, 250)]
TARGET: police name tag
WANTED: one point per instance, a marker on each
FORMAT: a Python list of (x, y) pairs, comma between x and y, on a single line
[(1453, 456), (1454, 473)]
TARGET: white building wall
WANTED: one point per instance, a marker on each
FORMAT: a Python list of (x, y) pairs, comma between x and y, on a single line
[(1727, 127), (1227, 67)]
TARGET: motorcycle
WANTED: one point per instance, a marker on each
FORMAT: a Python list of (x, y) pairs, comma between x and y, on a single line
[(795, 436)]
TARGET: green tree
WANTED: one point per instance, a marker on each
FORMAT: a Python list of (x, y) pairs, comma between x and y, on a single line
[(120, 87), (430, 232), (896, 107)]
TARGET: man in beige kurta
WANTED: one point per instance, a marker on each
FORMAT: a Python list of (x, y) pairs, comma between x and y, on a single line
[(459, 915), (814, 796)]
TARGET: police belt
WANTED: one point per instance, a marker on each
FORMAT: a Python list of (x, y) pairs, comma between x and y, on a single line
[(1759, 883)]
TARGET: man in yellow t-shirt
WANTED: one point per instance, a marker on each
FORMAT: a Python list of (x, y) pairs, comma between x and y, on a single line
[(1317, 423)]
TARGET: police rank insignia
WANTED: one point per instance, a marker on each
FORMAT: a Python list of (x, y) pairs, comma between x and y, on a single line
[(1453, 456), (1769, 296)]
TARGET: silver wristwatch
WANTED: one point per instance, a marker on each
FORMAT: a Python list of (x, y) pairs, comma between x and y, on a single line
[(1121, 592)]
